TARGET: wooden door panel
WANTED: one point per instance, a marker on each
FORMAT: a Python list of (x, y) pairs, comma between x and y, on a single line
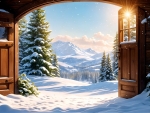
[(128, 85), (6, 78), (126, 94), (128, 91), (3, 86), (124, 68), (133, 64), (4, 62), (5, 92), (128, 88)]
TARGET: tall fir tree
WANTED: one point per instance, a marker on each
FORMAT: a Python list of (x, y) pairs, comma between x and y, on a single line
[(22, 44), (55, 63), (38, 55), (103, 68), (109, 71), (22, 24), (115, 58)]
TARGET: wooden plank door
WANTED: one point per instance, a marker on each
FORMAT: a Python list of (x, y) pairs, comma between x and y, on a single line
[(6, 53), (128, 71), (128, 56)]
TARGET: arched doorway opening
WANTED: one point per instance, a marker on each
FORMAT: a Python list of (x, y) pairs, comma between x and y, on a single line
[(139, 85)]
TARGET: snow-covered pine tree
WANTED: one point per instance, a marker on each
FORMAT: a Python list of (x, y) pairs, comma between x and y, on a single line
[(109, 70), (115, 58), (22, 24), (55, 64), (102, 76), (38, 56), (22, 44)]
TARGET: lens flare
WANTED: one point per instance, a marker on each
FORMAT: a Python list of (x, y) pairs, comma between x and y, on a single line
[(127, 14)]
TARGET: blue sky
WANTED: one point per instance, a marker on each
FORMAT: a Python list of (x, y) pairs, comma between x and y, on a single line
[(83, 22), (82, 18)]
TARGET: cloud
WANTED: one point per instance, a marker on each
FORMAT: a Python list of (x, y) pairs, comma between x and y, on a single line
[(100, 36), (99, 42)]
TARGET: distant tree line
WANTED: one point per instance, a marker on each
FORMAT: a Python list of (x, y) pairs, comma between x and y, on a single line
[(91, 77)]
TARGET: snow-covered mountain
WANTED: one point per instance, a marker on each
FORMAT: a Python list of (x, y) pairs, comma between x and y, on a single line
[(72, 58), (67, 48), (91, 51)]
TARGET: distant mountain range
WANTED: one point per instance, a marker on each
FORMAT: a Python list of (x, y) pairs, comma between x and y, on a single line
[(72, 58)]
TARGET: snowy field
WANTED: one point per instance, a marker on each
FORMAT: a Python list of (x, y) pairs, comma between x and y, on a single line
[(58, 95)]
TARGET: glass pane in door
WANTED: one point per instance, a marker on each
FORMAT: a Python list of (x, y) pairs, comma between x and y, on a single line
[(125, 35), (133, 21), (133, 34), (125, 23), (3, 33)]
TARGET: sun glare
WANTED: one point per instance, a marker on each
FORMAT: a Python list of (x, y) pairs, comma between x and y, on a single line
[(127, 14)]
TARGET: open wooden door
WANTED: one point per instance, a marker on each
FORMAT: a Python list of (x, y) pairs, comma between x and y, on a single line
[(6, 53), (128, 55), (134, 52)]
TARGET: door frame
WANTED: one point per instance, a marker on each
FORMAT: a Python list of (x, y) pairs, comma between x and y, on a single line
[(12, 45)]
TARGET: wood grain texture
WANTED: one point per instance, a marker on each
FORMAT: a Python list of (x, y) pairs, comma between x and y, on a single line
[(7, 76)]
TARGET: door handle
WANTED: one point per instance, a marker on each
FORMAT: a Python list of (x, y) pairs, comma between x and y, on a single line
[(6, 81)]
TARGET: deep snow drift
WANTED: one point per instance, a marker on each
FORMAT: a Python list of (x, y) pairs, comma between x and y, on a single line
[(58, 95)]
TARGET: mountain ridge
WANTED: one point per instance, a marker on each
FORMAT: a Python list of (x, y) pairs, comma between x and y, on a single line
[(72, 58)]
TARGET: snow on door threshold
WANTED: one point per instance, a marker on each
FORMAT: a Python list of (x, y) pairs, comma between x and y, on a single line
[(128, 80)]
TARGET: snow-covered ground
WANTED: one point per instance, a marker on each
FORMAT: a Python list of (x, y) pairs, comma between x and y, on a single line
[(58, 95)]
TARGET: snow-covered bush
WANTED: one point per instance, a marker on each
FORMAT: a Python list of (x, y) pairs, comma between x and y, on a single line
[(148, 84), (144, 21), (26, 87)]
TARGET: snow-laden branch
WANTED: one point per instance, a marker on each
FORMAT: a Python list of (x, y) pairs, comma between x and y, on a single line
[(145, 20)]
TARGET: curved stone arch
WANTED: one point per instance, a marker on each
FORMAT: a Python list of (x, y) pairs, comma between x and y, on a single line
[(41, 3)]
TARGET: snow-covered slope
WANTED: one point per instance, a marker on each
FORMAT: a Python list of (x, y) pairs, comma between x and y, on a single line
[(58, 95), (75, 57), (66, 67)]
